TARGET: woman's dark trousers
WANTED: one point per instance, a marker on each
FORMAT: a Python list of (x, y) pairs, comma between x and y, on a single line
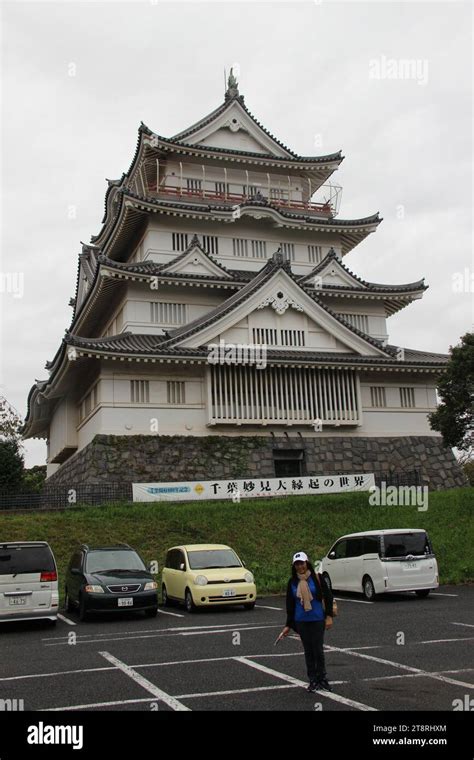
[(312, 636)]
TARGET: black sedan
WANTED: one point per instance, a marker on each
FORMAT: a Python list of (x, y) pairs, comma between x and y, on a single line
[(109, 579)]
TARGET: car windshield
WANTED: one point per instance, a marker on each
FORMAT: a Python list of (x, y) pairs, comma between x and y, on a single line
[(213, 558), (402, 544), (113, 560)]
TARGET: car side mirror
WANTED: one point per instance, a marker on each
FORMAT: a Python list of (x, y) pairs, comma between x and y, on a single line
[(332, 555), (182, 566), (75, 571)]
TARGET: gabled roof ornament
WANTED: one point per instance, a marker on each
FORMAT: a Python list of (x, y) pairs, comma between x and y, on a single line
[(232, 87)]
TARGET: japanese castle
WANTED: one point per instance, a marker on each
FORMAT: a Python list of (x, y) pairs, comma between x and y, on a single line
[(218, 332)]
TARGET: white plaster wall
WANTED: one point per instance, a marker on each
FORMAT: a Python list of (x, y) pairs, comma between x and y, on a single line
[(63, 432)]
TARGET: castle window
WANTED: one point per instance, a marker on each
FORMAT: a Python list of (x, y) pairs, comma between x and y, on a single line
[(194, 185), (315, 254), (222, 188), (288, 251), (407, 398), (377, 395), (89, 402), (210, 243), (179, 241), (359, 321), (259, 249), (240, 247), (162, 313), (139, 391), (175, 392), (271, 337)]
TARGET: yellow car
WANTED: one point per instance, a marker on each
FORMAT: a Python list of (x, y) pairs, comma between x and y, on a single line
[(205, 575)]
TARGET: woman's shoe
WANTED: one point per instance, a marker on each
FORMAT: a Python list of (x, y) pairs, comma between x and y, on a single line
[(325, 685)]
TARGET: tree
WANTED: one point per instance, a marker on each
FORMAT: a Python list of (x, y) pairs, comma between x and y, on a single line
[(454, 417), (11, 454)]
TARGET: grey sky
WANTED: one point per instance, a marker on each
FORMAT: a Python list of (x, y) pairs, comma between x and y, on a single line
[(307, 70)]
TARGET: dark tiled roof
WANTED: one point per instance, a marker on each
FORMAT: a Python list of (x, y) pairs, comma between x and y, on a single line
[(219, 206), (155, 345), (372, 286), (240, 100)]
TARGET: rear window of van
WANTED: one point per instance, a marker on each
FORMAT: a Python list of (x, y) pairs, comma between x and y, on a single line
[(26, 559), (401, 544)]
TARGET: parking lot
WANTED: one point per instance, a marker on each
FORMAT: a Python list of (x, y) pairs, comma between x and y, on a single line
[(398, 653)]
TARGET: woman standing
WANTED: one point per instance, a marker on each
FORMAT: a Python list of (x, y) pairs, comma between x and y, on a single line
[(309, 617)]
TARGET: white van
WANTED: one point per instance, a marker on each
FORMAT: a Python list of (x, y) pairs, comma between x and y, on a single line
[(382, 561), (28, 582)]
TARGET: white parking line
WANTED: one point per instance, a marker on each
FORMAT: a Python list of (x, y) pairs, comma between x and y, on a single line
[(148, 630), (265, 607), (66, 620), (164, 633), (442, 641), (356, 601), (211, 633), (98, 704), (468, 625), (438, 593), (402, 667), (417, 675), (166, 612), (297, 682), (145, 684)]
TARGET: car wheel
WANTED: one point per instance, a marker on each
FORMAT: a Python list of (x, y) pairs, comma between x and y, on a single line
[(82, 609), (165, 600), (422, 593), (369, 589), (68, 605), (188, 602), (151, 613), (249, 605), (328, 580)]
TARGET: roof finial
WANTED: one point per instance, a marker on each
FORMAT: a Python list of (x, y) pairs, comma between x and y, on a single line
[(232, 86)]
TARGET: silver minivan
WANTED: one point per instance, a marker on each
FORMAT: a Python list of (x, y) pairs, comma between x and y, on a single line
[(28, 582), (382, 561)]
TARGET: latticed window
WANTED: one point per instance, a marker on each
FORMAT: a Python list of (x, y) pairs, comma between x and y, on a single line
[(246, 394), (269, 336), (210, 243), (139, 391), (315, 254), (176, 392), (407, 397), (288, 251), (259, 249), (194, 185), (377, 395), (360, 321), (240, 247), (163, 313), (179, 241)]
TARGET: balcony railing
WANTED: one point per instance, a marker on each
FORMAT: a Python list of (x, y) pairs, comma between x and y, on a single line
[(192, 182)]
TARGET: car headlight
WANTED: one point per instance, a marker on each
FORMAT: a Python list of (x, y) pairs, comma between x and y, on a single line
[(200, 580), (150, 586), (94, 589), (248, 577)]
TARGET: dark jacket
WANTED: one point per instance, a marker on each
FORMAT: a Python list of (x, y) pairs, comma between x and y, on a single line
[(321, 585)]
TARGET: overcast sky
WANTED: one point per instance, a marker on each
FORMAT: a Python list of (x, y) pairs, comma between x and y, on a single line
[(388, 83)]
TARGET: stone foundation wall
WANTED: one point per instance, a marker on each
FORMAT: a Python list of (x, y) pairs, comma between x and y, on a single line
[(110, 458)]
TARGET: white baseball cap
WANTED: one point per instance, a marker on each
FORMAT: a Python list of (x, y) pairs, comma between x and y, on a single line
[(300, 557)]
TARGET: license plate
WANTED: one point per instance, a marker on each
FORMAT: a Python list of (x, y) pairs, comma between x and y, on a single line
[(229, 592), (17, 600), (411, 565), (126, 602)]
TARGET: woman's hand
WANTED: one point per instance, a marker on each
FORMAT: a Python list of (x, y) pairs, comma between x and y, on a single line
[(285, 632), (328, 622)]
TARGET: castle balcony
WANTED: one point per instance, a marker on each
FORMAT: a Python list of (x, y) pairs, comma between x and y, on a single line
[(194, 182)]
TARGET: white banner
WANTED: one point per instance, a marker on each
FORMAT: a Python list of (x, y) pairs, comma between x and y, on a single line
[(251, 488)]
